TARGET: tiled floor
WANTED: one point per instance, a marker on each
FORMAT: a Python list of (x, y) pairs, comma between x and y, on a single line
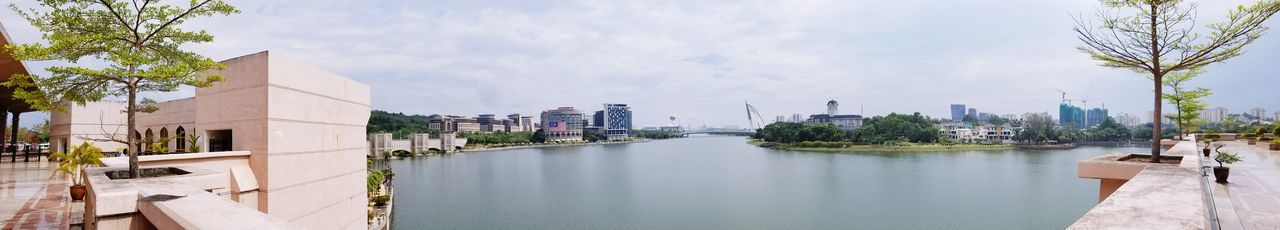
[(32, 196), (1254, 188)]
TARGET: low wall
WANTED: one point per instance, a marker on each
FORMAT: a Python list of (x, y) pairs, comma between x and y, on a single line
[(220, 182), (1146, 196)]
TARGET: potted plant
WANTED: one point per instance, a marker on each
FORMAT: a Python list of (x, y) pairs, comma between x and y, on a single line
[(1275, 144), (1207, 143), (1221, 172), (1250, 137), (73, 163)]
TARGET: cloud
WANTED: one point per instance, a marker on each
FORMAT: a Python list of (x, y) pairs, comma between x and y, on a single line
[(701, 59)]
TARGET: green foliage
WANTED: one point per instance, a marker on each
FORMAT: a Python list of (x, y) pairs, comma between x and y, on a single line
[(1248, 135), (1187, 102), (1037, 129), (74, 162), (1260, 131), (1144, 132), (141, 44), (1225, 158), (1156, 39), (193, 143), (791, 132), (398, 124), (498, 138), (1211, 136), (593, 136), (374, 180), (538, 136), (1109, 130), (380, 200), (914, 128), (655, 134), (822, 144)]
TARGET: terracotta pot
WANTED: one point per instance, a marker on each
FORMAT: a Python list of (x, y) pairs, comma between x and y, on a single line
[(1275, 147), (1206, 152), (1221, 174), (77, 192), (1253, 142)]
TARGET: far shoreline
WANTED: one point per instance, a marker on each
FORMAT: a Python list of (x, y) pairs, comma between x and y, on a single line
[(467, 150), (896, 149)]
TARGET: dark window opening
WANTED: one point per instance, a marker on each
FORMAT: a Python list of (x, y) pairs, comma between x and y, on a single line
[(219, 140)]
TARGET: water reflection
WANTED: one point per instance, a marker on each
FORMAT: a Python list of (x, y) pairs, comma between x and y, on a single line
[(724, 183)]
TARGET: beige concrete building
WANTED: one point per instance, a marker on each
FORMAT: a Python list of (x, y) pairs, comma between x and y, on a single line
[(289, 138)]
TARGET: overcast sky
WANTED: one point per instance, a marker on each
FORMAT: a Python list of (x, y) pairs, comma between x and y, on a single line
[(700, 60)]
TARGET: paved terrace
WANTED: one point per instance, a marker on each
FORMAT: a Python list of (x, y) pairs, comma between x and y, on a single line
[(1178, 196), (1252, 199), (33, 197)]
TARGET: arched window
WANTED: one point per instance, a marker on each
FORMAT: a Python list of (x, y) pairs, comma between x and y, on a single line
[(181, 137), (146, 141), (164, 139)]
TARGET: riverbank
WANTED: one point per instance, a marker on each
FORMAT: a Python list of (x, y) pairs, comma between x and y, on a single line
[(484, 149), (888, 148)]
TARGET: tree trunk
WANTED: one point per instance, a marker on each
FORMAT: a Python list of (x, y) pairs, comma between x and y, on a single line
[(133, 139), (1158, 78)]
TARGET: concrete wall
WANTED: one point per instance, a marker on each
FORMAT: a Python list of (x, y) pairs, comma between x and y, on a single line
[(315, 133), (303, 129), (94, 122)]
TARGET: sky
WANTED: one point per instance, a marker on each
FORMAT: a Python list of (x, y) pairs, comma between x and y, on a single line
[(701, 60)]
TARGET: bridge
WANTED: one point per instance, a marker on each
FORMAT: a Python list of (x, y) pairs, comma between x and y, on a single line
[(417, 143)]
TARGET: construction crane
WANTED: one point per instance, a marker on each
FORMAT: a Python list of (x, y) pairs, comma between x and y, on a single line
[(1064, 96)]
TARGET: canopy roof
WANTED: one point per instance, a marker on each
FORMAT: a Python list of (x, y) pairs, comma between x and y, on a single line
[(8, 67)]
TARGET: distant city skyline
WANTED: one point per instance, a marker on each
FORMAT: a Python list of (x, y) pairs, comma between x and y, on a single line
[(699, 61)]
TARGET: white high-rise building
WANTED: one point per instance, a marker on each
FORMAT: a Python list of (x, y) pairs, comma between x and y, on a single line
[(1214, 115), (796, 118), (1128, 120), (1277, 117), (1258, 113)]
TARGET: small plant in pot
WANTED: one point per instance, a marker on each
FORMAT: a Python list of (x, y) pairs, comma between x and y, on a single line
[(73, 163), (1275, 144), (1252, 138), (1207, 144), (1221, 172)]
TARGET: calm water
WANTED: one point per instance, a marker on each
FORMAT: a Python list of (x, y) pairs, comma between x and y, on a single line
[(723, 183)]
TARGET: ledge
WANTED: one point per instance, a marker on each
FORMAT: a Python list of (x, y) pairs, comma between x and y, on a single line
[(1158, 196), (123, 161)]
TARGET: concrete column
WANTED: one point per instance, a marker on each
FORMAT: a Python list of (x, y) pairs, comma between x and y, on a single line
[(13, 136)]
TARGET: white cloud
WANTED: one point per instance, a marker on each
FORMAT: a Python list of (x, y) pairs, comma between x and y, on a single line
[(701, 59)]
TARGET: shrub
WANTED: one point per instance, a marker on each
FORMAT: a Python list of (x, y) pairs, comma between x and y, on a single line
[(1248, 135), (381, 200), (1212, 136)]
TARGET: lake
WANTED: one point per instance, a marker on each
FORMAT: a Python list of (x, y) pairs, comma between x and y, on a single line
[(719, 182)]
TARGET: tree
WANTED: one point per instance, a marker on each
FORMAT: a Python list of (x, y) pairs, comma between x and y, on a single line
[(139, 42), (1036, 126), (538, 136), (1186, 102), (883, 129), (1110, 130), (1158, 39)]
